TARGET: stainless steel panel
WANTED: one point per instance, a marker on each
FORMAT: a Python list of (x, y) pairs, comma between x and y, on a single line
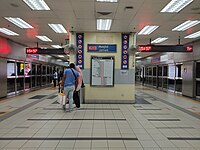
[(188, 79), (3, 77)]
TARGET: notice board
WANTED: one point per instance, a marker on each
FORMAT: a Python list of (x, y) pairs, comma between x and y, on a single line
[(102, 71)]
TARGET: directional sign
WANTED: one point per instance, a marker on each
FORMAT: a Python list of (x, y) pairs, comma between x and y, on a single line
[(165, 48), (45, 51)]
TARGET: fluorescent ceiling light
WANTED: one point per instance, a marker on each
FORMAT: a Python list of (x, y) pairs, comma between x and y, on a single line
[(159, 40), (19, 22), (176, 5), (44, 38), (37, 4), (59, 60), (138, 57), (56, 46), (137, 53), (104, 24), (194, 35), (8, 32), (111, 1), (61, 56), (186, 25), (49, 56), (147, 30), (58, 28)]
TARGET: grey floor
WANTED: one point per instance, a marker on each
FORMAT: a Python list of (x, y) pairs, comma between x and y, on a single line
[(150, 124)]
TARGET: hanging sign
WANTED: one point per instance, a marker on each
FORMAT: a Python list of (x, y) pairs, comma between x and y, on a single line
[(125, 57), (80, 51)]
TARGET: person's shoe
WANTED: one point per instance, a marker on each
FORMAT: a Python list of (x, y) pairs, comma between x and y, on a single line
[(64, 108), (70, 110), (78, 108)]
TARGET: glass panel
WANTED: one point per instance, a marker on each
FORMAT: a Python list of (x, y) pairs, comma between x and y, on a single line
[(154, 81), (10, 85), (27, 69), (48, 80), (146, 80), (33, 81), (39, 69), (159, 82), (43, 70), (48, 70), (10, 69), (171, 71), (150, 71), (154, 71), (179, 85), (33, 69), (27, 83), (150, 80), (179, 69), (44, 80), (198, 88), (51, 70), (171, 84), (198, 70), (20, 69), (39, 81), (20, 84), (147, 71), (165, 70), (165, 83), (159, 71)]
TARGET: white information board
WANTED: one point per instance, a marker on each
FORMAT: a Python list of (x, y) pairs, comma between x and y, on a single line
[(102, 71)]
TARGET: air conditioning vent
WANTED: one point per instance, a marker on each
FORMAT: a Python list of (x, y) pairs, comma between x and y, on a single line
[(128, 8), (104, 13)]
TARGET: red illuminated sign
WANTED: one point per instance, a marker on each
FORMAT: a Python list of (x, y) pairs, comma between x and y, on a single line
[(189, 48), (31, 50), (145, 48), (165, 48)]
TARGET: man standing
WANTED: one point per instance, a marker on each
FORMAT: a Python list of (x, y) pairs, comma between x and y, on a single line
[(70, 77)]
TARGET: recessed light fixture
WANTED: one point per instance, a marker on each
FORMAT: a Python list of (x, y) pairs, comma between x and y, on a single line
[(176, 5), (8, 32), (19, 22), (37, 4), (186, 25), (159, 40), (194, 35), (147, 30), (61, 56), (110, 1), (137, 53), (58, 28), (56, 46), (104, 24), (44, 38), (138, 57)]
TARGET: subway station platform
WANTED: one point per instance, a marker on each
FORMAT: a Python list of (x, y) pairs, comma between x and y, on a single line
[(158, 121)]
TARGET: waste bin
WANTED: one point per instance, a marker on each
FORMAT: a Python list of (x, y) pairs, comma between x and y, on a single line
[(82, 95)]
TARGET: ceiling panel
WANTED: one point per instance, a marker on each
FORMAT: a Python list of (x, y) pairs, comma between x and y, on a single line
[(80, 15)]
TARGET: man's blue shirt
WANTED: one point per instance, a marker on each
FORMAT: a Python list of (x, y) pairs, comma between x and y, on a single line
[(70, 78)]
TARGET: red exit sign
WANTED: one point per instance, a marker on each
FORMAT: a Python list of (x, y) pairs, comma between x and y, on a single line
[(31, 50)]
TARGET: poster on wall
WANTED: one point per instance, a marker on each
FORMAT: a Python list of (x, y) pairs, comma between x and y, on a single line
[(125, 57), (80, 51), (102, 71)]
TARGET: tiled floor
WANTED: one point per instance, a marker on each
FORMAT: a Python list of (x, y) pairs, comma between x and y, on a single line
[(159, 121)]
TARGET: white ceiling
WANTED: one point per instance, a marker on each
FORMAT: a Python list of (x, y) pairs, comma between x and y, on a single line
[(82, 14)]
